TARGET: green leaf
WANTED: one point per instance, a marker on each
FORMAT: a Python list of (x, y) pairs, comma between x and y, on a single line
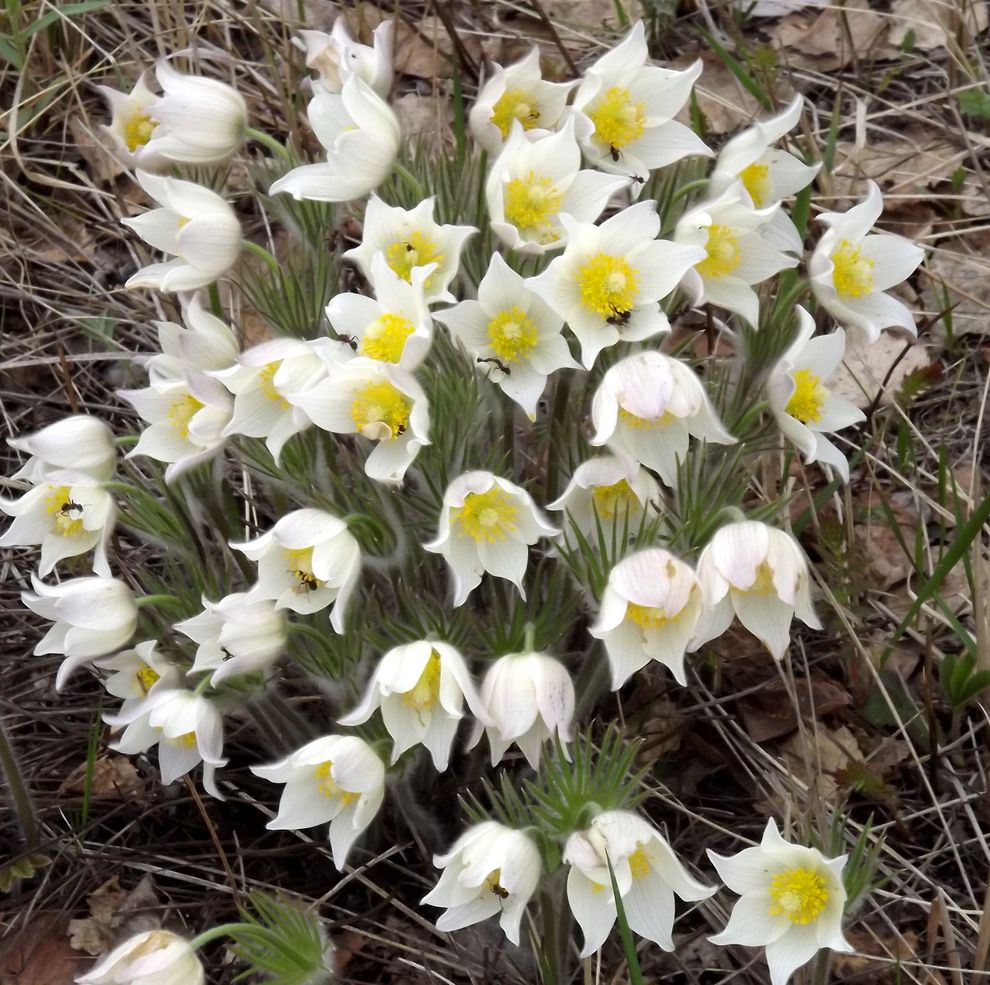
[(975, 102), (628, 944)]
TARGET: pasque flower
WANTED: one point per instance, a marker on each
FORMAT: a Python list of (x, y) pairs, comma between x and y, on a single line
[(791, 900), (138, 672), (131, 125), (203, 344), (153, 957), (80, 444), (490, 869), (337, 56)]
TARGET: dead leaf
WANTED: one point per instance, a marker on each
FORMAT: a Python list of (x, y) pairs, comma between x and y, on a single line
[(426, 118), (961, 266), (97, 149), (114, 778), (927, 21), (769, 712), (816, 756), (40, 954), (821, 41), (866, 365), (596, 14), (866, 945), (887, 564), (776, 8), (726, 104), (111, 910)]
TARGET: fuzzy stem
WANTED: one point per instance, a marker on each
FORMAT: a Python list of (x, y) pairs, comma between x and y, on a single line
[(260, 251), (270, 142), (18, 791), (409, 180), (224, 930)]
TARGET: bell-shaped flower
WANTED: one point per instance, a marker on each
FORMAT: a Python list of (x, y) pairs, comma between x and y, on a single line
[(534, 180), (627, 109), (411, 238), (395, 325), (516, 94), (647, 406), (804, 408), (647, 873), (307, 561), (337, 778), (379, 402), (512, 334), (760, 574), (528, 698), (66, 519), (139, 672), (487, 524), (421, 688), (851, 269), (337, 56), (791, 900), (80, 444), (490, 869), (131, 125), (361, 136), (608, 281), (153, 957), (92, 617), (650, 610), (203, 344), (194, 225), (240, 634)]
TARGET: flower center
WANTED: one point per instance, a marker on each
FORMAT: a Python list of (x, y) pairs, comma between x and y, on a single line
[(385, 338), (514, 104), (809, 397), (756, 180), (609, 500), (512, 335), (266, 383), (853, 273), (532, 203), (608, 285), (330, 788), (381, 412), (647, 616), (426, 692), (300, 564), (68, 515), (798, 894), (723, 253), (488, 516), (763, 583), (639, 864), (188, 740), (618, 120), (145, 678), (494, 883), (138, 130), (644, 423), (415, 250), (181, 412)]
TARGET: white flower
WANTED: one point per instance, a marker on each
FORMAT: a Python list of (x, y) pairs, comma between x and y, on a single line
[(361, 136), (204, 344), (80, 444), (760, 574), (647, 406), (92, 617), (153, 957), (338, 778), (411, 238), (516, 94), (512, 334), (805, 409), (337, 56), (650, 609), (528, 698), (378, 401), (421, 688), (195, 225), (395, 325), (647, 872), (131, 125), (307, 561), (240, 634), (536, 179), (139, 672), (791, 900), (487, 524), (66, 518), (490, 869), (737, 254), (608, 281), (627, 111), (851, 268)]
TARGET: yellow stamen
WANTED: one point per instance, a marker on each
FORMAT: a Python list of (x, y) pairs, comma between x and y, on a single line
[(415, 250), (512, 335), (300, 565), (266, 383), (488, 516), (67, 513), (639, 864), (608, 285), (138, 130), (853, 274), (756, 180), (146, 678), (809, 397), (494, 883), (188, 740), (330, 788), (647, 616), (618, 120), (798, 894), (723, 253), (426, 692), (514, 104), (381, 412), (532, 203), (385, 338), (644, 423), (181, 412), (613, 499)]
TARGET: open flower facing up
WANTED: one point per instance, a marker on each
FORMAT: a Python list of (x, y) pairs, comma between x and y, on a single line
[(79, 444), (153, 957), (92, 617), (791, 901), (608, 281), (337, 56), (627, 110), (512, 334), (759, 574), (194, 225), (852, 267), (421, 688), (203, 344), (337, 778), (361, 136), (487, 524), (131, 125), (534, 180), (490, 869), (647, 406), (528, 698), (307, 561), (411, 238), (650, 609), (647, 872), (803, 406), (139, 672)]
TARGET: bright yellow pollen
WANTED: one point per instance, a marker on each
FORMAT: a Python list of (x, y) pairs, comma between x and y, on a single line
[(512, 335), (426, 692), (138, 130), (756, 180), (723, 253), (266, 383), (616, 498), (618, 120), (809, 397), (380, 411), (639, 864), (608, 285), (145, 678), (514, 104), (416, 250), (853, 274), (181, 412), (330, 788), (188, 740), (647, 616), (68, 514), (532, 203), (385, 338), (488, 516), (798, 894)]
